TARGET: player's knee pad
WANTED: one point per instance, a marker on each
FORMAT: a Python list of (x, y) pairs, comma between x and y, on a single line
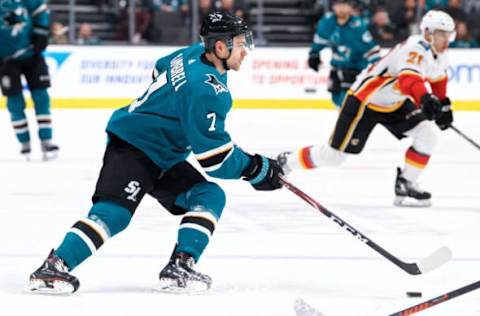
[(16, 106), (41, 101), (206, 196), (425, 137), (325, 155), (205, 202), (111, 217)]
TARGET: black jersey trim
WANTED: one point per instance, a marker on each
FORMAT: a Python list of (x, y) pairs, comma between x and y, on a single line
[(95, 237), (201, 221)]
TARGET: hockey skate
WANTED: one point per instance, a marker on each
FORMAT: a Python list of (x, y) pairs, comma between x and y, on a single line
[(409, 194), (282, 159), (49, 150), (53, 278), (26, 150), (179, 277)]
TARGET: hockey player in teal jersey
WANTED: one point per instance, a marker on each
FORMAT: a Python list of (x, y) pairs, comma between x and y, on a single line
[(183, 111), (353, 48), (23, 38)]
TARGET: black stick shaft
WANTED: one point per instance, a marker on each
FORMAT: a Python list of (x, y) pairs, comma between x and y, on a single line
[(437, 300), (471, 141), (410, 268)]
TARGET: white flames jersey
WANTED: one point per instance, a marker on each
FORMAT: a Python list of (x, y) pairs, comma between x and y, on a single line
[(377, 85)]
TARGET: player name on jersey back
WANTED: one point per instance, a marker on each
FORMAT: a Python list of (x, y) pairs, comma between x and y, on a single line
[(177, 72)]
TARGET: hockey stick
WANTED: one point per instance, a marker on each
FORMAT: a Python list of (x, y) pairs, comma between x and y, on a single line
[(471, 141), (437, 300), (436, 259)]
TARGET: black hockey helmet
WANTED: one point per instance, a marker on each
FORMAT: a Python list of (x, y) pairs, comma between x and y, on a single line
[(221, 25)]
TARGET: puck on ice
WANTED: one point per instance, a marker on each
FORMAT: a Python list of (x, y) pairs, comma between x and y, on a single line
[(414, 294)]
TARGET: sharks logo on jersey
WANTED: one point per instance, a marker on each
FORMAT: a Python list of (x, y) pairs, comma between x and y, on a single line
[(216, 84), (215, 17)]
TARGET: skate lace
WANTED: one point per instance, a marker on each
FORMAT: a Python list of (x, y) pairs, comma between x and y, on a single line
[(59, 265), (188, 263)]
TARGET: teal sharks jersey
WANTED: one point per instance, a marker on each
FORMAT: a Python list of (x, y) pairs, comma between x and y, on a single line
[(183, 111), (17, 21), (352, 44)]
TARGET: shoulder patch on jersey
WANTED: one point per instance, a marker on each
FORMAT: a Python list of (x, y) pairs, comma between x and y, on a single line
[(191, 61), (218, 87)]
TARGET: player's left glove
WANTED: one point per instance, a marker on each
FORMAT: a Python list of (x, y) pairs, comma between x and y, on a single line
[(263, 173), (445, 115), (39, 38)]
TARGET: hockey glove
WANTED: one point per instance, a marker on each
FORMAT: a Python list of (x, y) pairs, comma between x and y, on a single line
[(430, 106), (445, 116), (263, 173), (314, 61), (39, 39)]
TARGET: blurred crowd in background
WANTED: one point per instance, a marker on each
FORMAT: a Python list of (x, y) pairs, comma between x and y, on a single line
[(169, 22)]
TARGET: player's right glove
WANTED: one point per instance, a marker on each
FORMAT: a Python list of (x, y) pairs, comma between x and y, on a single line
[(314, 61), (431, 106), (445, 116), (263, 173)]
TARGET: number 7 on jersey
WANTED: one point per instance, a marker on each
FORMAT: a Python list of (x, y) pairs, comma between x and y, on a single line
[(212, 116)]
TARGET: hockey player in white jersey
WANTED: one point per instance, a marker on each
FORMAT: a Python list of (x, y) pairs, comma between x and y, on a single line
[(406, 92)]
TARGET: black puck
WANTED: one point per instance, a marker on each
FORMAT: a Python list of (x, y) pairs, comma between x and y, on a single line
[(414, 294)]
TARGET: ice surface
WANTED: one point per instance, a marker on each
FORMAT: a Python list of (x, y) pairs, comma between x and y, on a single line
[(269, 248)]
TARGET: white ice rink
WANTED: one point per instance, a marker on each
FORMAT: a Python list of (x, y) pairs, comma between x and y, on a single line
[(269, 248)]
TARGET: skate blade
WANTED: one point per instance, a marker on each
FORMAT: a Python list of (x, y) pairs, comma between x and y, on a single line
[(51, 155), (401, 201), (191, 288), (55, 288)]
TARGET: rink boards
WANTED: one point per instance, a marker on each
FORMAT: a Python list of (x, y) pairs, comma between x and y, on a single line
[(276, 78)]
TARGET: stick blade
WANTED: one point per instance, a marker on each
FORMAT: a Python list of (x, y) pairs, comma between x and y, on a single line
[(435, 260)]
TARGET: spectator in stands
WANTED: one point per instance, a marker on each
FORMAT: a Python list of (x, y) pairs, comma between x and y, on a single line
[(204, 7), (236, 7), (463, 39), (457, 12), (170, 22), (404, 19), (143, 18), (86, 37), (454, 8), (172, 5), (471, 5), (435, 4), (382, 29), (59, 34)]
